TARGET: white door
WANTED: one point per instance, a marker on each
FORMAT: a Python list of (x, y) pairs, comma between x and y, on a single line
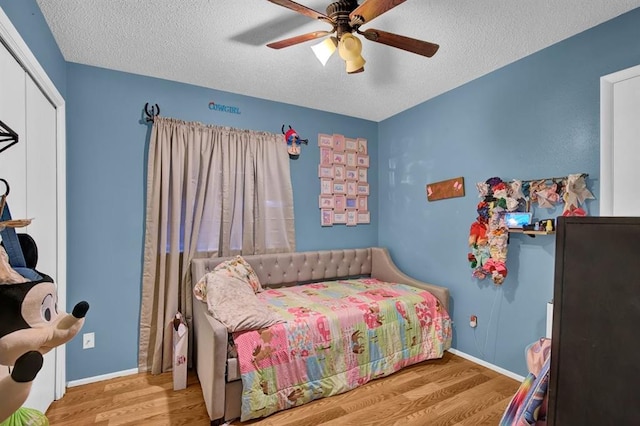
[(620, 143), (31, 169), (40, 142), (12, 106)]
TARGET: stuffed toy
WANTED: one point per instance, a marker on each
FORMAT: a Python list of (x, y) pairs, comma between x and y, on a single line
[(293, 142), (30, 323)]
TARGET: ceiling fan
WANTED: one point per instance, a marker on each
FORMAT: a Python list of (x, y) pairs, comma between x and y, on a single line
[(346, 17)]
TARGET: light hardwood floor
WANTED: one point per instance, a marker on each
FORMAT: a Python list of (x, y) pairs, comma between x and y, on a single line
[(449, 391)]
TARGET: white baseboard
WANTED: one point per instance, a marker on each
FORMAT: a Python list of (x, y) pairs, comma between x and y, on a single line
[(102, 377), (490, 366), (461, 354)]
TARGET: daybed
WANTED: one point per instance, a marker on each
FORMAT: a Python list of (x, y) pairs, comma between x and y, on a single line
[(220, 377)]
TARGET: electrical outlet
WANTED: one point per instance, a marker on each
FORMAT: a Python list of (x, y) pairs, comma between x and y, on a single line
[(88, 340), (473, 321)]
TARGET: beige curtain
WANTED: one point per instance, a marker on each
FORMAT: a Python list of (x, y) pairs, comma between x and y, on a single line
[(211, 191)]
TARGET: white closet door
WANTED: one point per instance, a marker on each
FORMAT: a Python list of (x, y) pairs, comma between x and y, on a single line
[(41, 177), (619, 142), (35, 168), (41, 206), (626, 152), (12, 106)]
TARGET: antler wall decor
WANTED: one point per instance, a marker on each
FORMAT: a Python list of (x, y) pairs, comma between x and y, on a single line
[(7, 135)]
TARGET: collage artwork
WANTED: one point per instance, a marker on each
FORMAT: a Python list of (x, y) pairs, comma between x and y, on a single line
[(344, 185)]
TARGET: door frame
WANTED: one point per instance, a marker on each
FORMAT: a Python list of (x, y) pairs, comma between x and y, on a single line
[(10, 37), (606, 135)]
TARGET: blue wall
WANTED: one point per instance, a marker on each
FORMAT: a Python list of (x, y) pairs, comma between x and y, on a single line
[(27, 17), (106, 155), (536, 118)]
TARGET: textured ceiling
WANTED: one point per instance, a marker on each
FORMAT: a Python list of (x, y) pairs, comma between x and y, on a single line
[(221, 45)]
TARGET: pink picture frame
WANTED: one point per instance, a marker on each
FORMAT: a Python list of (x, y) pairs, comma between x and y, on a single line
[(326, 156), (339, 217), (363, 217), (351, 173), (352, 218), (339, 187), (350, 144), (325, 171), (352, 188), (339, 172), (326, 186), (338, 143), (362, 174), (325, 140), (326, 202), (351, 203), (363, 161), (362, 146), (363, 203), (326, 217), (339, 202), (339, 158), (352, 160), (363, 188)]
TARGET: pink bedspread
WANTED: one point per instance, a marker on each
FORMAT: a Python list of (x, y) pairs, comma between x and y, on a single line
[(338, 335)]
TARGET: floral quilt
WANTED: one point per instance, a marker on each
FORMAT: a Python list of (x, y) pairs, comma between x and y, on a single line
[(338, 335)]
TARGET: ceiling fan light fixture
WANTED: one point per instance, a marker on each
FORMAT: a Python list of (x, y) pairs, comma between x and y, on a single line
[(350, 49), (325, 49), (352, 68), (346, 17), (355, 66)]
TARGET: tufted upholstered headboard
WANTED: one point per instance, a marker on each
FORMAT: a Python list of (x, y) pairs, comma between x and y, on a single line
[(281, 269)]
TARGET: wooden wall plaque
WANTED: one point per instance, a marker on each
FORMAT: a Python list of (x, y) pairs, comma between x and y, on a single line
[(445, 189)]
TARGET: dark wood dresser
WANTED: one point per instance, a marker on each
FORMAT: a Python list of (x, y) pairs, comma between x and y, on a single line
[(595, 355)]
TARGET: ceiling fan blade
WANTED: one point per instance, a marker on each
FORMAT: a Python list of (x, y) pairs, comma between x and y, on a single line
[(298, 39), (371, 9), (296, 7), (409, 44)]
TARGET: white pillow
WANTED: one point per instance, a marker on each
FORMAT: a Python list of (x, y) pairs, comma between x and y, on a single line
[(232, 301), (236, 267)]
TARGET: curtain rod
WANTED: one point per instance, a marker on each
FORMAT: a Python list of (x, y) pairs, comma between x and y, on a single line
[(151, 114), (584, 175)]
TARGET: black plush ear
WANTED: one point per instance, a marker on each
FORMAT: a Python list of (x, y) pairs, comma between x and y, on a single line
[(29, 250)]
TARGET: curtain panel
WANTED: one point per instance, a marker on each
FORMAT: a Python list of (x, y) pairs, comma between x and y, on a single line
[(211, 191)]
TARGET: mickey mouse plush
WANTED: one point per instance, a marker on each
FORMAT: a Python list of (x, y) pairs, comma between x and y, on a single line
[(30, 326)]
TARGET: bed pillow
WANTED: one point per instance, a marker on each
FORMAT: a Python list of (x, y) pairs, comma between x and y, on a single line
[(231, 301), (240, 268)]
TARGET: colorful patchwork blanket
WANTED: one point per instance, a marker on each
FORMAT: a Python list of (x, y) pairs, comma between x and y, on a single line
[(338, 335)]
